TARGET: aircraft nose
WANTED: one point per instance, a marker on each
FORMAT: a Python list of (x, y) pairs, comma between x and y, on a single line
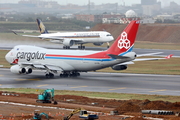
[(7, 57), (112, 38)]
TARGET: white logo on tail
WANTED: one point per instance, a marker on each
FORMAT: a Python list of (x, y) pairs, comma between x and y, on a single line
[(124, 42)]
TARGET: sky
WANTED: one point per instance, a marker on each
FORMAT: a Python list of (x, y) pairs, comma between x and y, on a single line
[(97, 2)]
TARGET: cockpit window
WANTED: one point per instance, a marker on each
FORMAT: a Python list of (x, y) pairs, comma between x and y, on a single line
[(108, 35)]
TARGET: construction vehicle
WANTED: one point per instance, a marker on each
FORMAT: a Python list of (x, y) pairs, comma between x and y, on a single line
[(82, 114), (38, 116), (46, 97)]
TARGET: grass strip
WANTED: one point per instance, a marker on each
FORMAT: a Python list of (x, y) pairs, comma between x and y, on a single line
[(102, 95)]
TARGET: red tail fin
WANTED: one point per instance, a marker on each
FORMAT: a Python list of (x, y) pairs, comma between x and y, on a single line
[(169, 56), (125, 41)]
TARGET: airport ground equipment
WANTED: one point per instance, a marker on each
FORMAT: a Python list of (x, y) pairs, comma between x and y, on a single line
[(82, 114), (46, 97), (38, 116)]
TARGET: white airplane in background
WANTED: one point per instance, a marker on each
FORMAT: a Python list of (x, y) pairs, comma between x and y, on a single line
[(25, 58), (71, 38)]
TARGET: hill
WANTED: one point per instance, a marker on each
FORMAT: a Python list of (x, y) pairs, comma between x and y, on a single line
[(165, 33)]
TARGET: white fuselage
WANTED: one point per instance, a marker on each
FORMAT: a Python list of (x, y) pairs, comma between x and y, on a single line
[(80, 37), (67, 60)]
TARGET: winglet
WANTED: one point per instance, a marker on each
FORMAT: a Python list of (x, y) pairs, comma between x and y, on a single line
[(14, 32), (169, 56)]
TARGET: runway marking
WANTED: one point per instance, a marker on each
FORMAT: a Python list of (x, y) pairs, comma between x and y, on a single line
[(42, 85), (158, 90), (27, 79), (118, 88), (20, 79), (34, 79), (79, 86)]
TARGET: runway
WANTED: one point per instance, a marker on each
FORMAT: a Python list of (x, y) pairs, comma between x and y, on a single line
[(96, 82)]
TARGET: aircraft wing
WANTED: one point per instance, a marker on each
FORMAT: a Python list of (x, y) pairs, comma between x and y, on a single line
[(50, 37), (42, 66)]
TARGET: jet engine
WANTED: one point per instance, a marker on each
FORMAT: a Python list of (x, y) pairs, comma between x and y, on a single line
[(119, 67), (68, 42), (98, 44), (17, 69), (28, 70)]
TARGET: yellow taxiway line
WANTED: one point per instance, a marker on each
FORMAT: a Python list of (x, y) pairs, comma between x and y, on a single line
[(118, 88), (27, 79), (42, 85), (79, 86), (158, 90)]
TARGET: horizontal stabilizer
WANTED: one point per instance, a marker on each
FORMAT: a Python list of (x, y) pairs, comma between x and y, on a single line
[(146, 59), (117, 57), (126, 63), (25, 35)]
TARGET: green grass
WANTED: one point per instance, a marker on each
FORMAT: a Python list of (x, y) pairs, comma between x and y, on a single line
[(167, 66), (103, 95), (2, 58), (155, 45)]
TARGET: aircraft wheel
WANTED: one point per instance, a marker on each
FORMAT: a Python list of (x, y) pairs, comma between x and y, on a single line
[(81, 47), (66, 47), (47, 75), (51, 75), (78, 74), (61, 75)]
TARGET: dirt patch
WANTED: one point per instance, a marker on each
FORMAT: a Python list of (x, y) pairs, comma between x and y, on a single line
[(164, 33), (103, 107)]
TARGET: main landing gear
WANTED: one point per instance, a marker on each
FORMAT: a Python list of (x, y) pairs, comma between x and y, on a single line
[(81, 47), (69, 74), (64, 74), (49, 75), (66, 47)]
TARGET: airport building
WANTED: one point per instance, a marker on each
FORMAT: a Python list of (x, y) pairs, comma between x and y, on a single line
[(148, 2)]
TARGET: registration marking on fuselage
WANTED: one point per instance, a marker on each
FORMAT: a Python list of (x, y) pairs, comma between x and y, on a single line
[(1, 75), (118, 88), (79, 86), (42, 85), (158, 90)]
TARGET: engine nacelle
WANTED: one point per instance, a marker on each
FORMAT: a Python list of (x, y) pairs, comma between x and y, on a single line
[(98, 44), (119, 67), (17, 69), (68, 42), (28, 70)]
